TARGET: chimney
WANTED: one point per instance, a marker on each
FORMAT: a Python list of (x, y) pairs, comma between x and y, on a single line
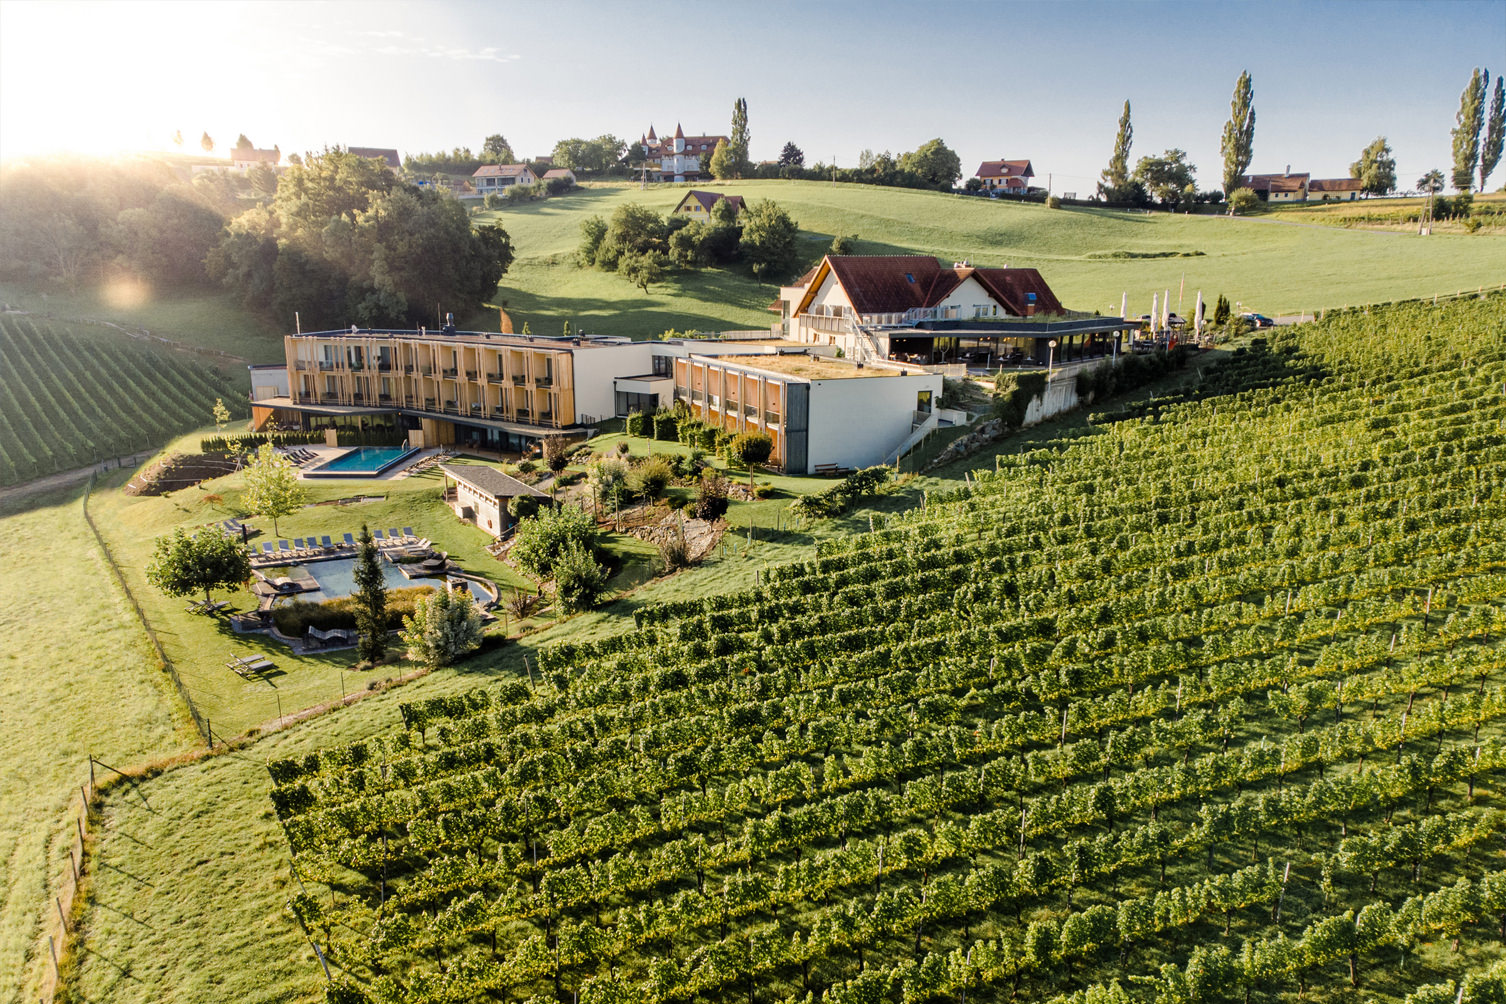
[(1288, 173)]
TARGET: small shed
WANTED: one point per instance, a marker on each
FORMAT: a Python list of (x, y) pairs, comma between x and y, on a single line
[(480, 495)]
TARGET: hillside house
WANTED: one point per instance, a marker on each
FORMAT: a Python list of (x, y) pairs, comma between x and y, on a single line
[(244, 158), (1285, 187), (911, 309), (1005, 176), (698, 205), (386, 155), (490, 178), (480, 495), (1334, 189), (678, 159), (560, 172)]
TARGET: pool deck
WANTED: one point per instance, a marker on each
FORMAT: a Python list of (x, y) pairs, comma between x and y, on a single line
[(327, 453)]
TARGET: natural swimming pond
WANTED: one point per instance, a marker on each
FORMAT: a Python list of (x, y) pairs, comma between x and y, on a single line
[(362, 462), (337, 577)]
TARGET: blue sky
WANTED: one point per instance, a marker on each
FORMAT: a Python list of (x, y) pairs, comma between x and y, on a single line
[(1038, 80)]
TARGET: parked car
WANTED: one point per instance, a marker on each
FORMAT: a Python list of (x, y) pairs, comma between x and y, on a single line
[(1258, 320)]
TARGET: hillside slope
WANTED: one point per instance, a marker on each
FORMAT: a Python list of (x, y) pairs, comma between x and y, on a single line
[(1090, 257)]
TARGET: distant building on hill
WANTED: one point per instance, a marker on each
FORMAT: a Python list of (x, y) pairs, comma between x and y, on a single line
[(490, 178), (559, 172), (1289, 187), (698, 205), (1005, 176), (1335, 189), (679, 159), (244, 158), (385, 155)]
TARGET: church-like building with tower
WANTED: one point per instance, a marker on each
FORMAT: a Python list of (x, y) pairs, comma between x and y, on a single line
[(680, 158)]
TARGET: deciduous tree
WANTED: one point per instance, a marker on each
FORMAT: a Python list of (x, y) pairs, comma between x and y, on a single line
[(272, 486), (1467, 124), (1376, 168), (497, 148), (1495, 132), (579, 579), (1167, 177), (935, 163), (540, 540), (791, 156), (738, 147), (444, 626), (722, 164), (206, 143), (768, 240), (1114, 186), (752, 449), (182, 565), (1238, 145)]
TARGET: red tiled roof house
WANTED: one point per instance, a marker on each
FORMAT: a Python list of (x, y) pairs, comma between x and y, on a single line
[(1006, 175)]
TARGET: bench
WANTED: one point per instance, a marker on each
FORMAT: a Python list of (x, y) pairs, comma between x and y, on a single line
[(831, 470)]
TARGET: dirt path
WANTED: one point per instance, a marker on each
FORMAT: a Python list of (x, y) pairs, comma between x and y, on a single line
[(65, 479)]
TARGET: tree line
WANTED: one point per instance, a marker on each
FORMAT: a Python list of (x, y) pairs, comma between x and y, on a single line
[(337, 238)]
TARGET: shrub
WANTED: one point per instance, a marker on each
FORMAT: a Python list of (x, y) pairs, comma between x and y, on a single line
[(296, 617), (541, 539), (1243, 201), (650, 478), (580, 582), (666, 426), (674, 553), (844, 244), (1053, 202), (444, 625), (637, 423), (1014, 392), (522, 605), (527, 466), (570, 478), (838, 497), (556, 452), (522, 506), (711, 496), (763, 490)]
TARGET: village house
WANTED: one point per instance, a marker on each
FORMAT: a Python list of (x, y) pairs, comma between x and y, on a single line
[(678, 159), (1335, 189), (698, 205), (1011, 176), (244, 158), (560, 172), (490, 178)]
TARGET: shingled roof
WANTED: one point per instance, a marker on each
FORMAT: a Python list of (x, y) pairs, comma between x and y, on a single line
[(1006, 169), (490, 481), (384, 154), (893, 284), (709, 199), (501, 170)]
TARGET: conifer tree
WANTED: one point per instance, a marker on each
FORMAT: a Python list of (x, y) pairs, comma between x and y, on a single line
[(371, 601), (1495, 133)]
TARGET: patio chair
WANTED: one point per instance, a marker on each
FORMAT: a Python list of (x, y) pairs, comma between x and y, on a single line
[(377, 535), (298, 547), (283, 549), (325, 545), (393, 534), (408, 533), (267, 549), (350, 541)]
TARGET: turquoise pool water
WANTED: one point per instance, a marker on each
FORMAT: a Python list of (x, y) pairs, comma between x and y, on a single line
[(337, 577), (361, 462)]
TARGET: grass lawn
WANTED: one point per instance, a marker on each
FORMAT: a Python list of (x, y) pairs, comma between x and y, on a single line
[(1088, 256), (76, 678)]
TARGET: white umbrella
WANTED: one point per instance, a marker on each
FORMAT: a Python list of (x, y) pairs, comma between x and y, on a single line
[(1197, 314), (1155, 309), (1123, 304), (1166, 310)]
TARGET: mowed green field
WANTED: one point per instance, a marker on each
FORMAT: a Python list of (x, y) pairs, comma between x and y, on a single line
[(76, 678), (1266, 264)]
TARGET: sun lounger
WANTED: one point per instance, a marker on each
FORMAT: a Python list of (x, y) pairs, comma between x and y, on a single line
[(350, 541), (297, 545), (283, 548), (325, 545), (268, 549), (408, 533), (392, 534), (377, 535)]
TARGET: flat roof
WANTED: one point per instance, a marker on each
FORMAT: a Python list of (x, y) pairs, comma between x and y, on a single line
[(476, 338), (808, 367)]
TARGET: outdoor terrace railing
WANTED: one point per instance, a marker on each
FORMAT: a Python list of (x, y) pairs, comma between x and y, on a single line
[(495, 378)]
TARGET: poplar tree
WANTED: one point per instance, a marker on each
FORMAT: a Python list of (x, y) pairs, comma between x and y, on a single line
[(1116, 175), (371, 601), (1467, 125), (1238, 145), (1495, 133), (738, 147)]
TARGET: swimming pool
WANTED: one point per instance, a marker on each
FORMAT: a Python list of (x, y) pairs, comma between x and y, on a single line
[(337, 577), (362, 462)]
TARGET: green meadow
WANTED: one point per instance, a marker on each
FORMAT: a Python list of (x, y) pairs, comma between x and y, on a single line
[(1089, 256)]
